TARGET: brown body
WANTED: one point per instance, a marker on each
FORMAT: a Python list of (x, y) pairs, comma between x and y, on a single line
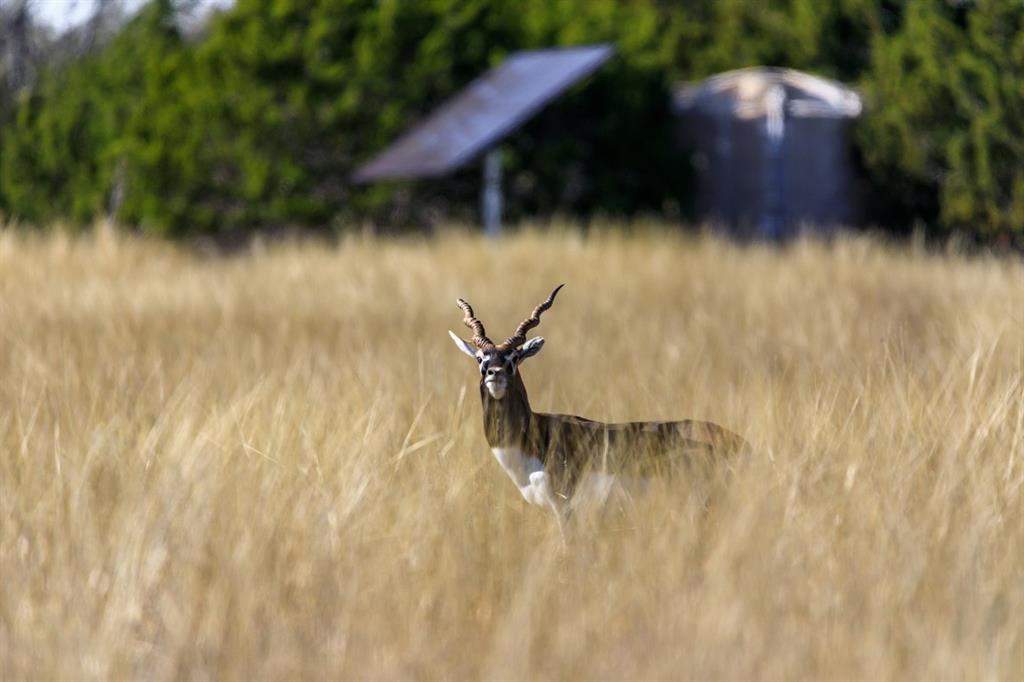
[(568, 446)]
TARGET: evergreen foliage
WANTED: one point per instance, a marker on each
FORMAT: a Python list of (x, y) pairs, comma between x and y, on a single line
[(944, 141), (100, 128), (262, 119)]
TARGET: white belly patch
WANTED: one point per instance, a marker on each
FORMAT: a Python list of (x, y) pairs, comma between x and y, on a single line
[(527, 472)]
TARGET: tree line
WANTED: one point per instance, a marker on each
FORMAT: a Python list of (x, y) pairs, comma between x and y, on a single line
[(258, 116)]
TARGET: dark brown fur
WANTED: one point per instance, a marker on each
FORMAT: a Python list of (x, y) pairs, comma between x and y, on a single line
[(567, 445)]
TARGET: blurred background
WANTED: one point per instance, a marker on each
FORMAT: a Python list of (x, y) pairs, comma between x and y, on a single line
[(273, 465), (216, 117)]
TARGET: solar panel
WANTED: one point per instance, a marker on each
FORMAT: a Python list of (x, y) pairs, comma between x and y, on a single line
[(484, 112)]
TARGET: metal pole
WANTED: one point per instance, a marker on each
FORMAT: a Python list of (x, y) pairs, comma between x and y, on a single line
[(490, 198), (773, 212)]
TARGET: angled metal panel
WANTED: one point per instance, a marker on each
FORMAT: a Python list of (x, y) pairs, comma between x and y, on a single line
[(485, 111)]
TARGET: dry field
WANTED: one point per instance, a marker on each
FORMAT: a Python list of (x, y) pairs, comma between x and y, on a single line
[(271, 466)]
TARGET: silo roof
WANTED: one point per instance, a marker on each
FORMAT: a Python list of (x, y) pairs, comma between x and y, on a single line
[(747, 93), (484, 112)]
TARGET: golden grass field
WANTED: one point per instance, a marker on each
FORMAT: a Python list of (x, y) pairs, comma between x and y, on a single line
[(272, 466)]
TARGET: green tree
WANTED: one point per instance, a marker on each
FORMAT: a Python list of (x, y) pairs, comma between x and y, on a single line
[(95, 124), (263, 121), (829, 38), (301, 92), (944, 138)]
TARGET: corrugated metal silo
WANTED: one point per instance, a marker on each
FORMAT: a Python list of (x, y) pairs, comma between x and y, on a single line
[(772, 151)]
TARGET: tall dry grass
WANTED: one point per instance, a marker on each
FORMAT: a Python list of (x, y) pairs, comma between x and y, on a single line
[(272, 466)]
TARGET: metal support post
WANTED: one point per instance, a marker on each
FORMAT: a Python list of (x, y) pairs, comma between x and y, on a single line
[(490, 197)]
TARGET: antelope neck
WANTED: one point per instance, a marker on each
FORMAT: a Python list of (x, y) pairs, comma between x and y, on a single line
[(507, 421)]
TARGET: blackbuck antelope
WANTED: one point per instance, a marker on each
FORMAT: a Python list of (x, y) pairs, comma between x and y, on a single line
[(548, 456)]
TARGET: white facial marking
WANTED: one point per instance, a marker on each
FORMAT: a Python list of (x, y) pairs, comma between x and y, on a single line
[(497, 389)]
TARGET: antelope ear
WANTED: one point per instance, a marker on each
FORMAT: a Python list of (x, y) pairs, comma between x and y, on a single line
[(531, 348), (463, 345)]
